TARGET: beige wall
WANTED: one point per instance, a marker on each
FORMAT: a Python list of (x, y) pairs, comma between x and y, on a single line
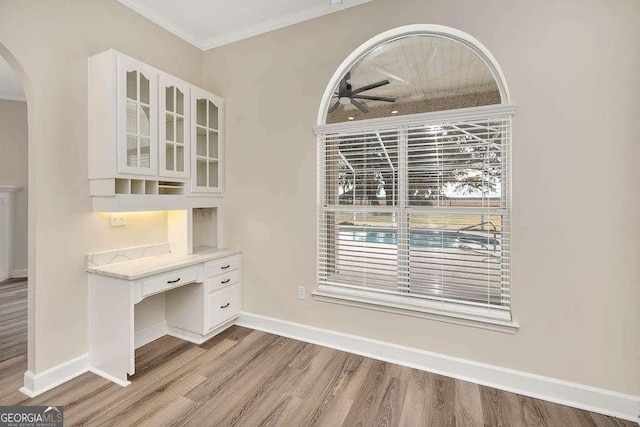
[(51, 40), (13, 171), (573, 69)]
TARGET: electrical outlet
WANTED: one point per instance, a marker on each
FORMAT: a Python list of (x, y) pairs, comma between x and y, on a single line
[(118, 219), (302, 292)]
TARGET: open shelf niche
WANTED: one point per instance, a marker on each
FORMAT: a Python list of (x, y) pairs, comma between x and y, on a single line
[(205, 229), (139, 186), (195, 230)]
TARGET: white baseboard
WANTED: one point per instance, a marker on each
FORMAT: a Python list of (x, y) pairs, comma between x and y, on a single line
[(576, 395), (35, 384), (19, 273), (150, 333)]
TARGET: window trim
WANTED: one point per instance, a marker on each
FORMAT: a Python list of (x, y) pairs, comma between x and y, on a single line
[(451, 312), (435, 117), (415, 308)]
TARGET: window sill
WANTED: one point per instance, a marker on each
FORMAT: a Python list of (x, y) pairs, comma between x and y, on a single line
[(413, 309)]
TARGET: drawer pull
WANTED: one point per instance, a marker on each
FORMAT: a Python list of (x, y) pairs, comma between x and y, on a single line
[(225, 281), (173, 281), (225, 267), (225, 306)]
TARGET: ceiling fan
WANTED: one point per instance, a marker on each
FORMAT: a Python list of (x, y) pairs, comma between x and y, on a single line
[(346, 94)]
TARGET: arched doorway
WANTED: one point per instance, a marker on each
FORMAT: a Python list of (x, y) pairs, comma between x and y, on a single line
[(18, 292)]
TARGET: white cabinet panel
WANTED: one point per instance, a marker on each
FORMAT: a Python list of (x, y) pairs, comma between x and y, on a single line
[(223, 305), (207, 142), (137, 112), (169, 281), (111, 309), (174, 135), (213, 268), (224, 280), (6, 230)]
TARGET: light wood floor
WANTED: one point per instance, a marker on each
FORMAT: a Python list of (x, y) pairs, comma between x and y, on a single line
[(248, 378), (13, 318)]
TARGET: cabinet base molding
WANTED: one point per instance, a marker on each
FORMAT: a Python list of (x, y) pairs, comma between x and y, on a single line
[(36, 384), (160, 329), (150, 333), (111, 378), (199, 338)]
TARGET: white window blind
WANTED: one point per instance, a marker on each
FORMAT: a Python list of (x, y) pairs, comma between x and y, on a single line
[(417, 213)]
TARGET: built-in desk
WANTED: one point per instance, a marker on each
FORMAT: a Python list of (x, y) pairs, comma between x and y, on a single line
[(202, 298)]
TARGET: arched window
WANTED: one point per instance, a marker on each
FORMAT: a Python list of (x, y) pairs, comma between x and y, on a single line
[(414, 179)]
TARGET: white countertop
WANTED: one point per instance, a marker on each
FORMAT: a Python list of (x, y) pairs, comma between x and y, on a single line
[(148, 266)]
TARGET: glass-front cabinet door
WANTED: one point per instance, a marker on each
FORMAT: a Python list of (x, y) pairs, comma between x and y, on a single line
[(137, 100), (207, 148), (174, 127)]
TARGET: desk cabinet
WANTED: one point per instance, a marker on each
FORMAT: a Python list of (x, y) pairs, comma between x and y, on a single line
[(201, 300), (217, 300)]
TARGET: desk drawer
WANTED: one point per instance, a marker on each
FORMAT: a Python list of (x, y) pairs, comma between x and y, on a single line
[(223, 305), (223, 280), (169, 281), (221, 266)]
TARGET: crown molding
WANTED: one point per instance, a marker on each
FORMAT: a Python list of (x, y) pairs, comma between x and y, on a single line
[(279, 22), (246, 32), (165, 23)]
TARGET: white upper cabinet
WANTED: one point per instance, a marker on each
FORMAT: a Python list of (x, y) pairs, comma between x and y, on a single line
[(207, 142), (137, 106), (174, 127), (151, 134)]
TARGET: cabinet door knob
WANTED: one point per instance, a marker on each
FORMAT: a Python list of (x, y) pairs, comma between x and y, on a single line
[(173, 281), (225, 306), (225, 267), (225, 281)]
